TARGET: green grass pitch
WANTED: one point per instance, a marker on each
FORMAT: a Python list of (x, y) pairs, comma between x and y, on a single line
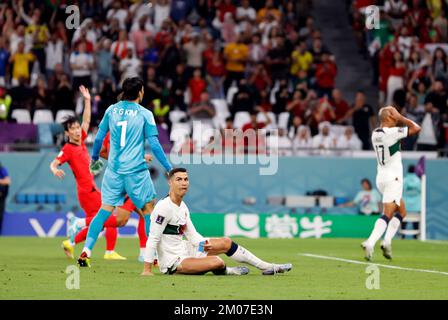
[(34, 268)]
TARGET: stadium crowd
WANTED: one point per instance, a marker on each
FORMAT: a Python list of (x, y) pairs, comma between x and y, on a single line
[(228, 64), (409, 55)]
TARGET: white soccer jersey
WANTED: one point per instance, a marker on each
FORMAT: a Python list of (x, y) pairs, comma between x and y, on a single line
[(386, 143), (169, 224), (389, 179)]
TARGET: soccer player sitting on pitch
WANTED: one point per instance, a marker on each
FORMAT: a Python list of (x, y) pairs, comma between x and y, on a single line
[(389, 179), (130, 125), (171, 221)]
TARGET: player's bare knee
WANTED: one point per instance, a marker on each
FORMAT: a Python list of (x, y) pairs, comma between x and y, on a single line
[(218, 263), (227, 243)]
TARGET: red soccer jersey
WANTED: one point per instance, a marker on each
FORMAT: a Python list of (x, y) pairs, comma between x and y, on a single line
[(78, 159), (106, 143)]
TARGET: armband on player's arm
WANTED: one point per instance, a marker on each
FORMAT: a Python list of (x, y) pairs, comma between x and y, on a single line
[(159, 153), (97, 144)]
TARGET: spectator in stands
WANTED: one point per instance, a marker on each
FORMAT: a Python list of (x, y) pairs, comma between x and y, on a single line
[(193, 53), (349, 140), (140, 35), (41, 95), (428, 137), (281, 99), (54, 52), (395, 80), (246, 11), (4, 60), (321, 111), (236, 55), (260, 78), (21, 64), (340, 106), (243, 100), (254, 124), (302, 60), (153, 87), (130, 66), (326, 72), (293, 128), (81, 64), (269, 9), (64, 95), (216, 70), (297, 106), (368, 200), (303, 141), (436, 101), (363, 118), (197, 86), (5, 104), (180, 9), (203, 110), (439, 67), (5, 182), (324, 140), (278, 59), (118, 12), (21, 95), (104, 61)]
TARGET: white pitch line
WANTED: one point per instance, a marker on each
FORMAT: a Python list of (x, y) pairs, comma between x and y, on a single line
[(310, 255)]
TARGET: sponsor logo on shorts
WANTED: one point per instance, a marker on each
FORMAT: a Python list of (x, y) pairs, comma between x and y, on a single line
[(160, 219)]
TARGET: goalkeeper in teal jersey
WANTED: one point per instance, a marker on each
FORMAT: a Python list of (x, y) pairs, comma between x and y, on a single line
[(130, 125)]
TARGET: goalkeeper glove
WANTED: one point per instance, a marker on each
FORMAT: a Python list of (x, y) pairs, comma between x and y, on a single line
[(96, 167)]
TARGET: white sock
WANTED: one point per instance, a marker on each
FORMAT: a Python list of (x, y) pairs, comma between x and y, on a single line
[(142, 251), (87, 251), (81, 223), (392, 228), (377, 232), (72, 244), (243, 255), (109, 251)]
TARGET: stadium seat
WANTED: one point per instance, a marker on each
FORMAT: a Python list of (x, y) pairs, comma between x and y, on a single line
[(41, 198), (61, 198), (179, 132), (31, 198), (21, 198), (21, 115), (283, 120), (202, 133), (262, 118), (230, 93), (222, 113), (52, 198), (62, 114), (221, 107), (43, 116), (241, 118), (176, 115)]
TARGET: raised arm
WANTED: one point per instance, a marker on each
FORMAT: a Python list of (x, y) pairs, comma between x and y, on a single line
[(413, 128), (86, 116)]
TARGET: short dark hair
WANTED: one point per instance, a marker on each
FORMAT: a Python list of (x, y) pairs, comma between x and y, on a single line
[(411, 169), (365, 180), (69, 121), (174, 171), (131, 88)]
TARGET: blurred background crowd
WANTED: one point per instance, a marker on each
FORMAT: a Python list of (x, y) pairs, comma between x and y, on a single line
[(226, 64)]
